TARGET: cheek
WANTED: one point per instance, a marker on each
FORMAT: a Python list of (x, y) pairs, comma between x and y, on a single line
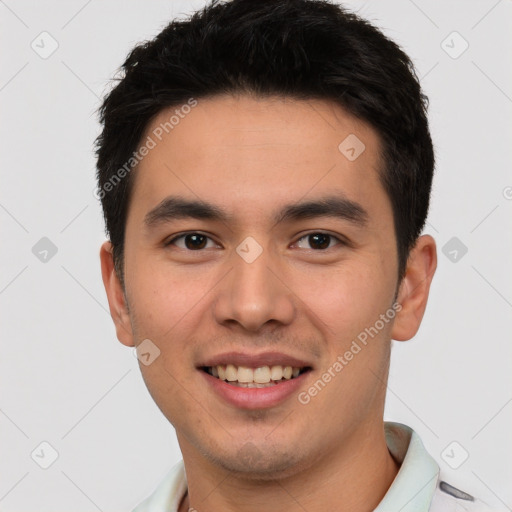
[(165, 384), (347, 300), (162, 297)]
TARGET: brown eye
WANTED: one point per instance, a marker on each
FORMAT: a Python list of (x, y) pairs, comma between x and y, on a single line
[(190, 241), (195, 241), (319, 241)]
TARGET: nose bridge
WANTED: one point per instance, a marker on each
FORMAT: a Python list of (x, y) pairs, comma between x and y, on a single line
[(252, 294)]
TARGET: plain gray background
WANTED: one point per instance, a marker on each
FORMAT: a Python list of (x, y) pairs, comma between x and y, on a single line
[(67, 381)]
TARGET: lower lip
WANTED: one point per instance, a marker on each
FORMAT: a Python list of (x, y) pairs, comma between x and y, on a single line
[(255, 398)]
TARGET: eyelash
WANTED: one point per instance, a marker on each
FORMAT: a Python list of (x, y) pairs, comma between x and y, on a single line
[(332, 237)]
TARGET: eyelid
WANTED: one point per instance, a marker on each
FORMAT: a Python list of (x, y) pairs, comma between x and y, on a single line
[(342, 240), (169, 241), (339, 238)]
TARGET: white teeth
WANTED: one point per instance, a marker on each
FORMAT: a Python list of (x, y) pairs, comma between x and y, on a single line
[(252, 384), (260, 384), (262, 376), (276, 372), (245, 374), (231, 373)]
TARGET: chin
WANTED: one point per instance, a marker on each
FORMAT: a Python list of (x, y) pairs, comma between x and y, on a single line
[(263, 463)]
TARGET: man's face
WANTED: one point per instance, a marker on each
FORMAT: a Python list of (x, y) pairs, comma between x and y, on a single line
[(253, 284)]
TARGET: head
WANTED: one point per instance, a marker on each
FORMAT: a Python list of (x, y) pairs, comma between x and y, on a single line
[(265, 171)]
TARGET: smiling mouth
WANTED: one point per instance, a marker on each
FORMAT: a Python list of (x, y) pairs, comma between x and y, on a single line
[(261, 377)]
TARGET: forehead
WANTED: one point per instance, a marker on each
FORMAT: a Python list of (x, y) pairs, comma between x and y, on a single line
[(251, 154)]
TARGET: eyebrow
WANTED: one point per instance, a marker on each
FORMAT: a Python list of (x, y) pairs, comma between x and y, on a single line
[(175, 207)]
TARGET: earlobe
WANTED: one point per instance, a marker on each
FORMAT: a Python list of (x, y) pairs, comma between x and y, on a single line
[(415, 287), (115, 296)]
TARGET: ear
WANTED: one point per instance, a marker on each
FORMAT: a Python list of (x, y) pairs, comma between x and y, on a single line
[(115, 296), (414, 288)]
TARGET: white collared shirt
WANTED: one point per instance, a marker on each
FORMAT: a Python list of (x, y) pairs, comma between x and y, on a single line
[(417, 487)]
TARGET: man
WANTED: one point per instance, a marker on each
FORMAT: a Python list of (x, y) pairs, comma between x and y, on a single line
[(265, 172)]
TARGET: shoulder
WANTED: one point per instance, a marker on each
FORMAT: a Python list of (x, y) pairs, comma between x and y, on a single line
[(448, 498), (168, 494)]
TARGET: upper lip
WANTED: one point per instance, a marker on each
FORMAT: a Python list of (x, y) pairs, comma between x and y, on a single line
[(255, 360)]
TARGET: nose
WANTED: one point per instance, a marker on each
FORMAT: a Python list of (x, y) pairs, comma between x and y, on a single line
[(254, 294)]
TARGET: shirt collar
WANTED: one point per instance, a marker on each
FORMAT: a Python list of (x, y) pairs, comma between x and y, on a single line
[(414, 486)]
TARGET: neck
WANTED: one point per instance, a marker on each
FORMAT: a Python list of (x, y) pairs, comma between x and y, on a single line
[(354, 477)]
